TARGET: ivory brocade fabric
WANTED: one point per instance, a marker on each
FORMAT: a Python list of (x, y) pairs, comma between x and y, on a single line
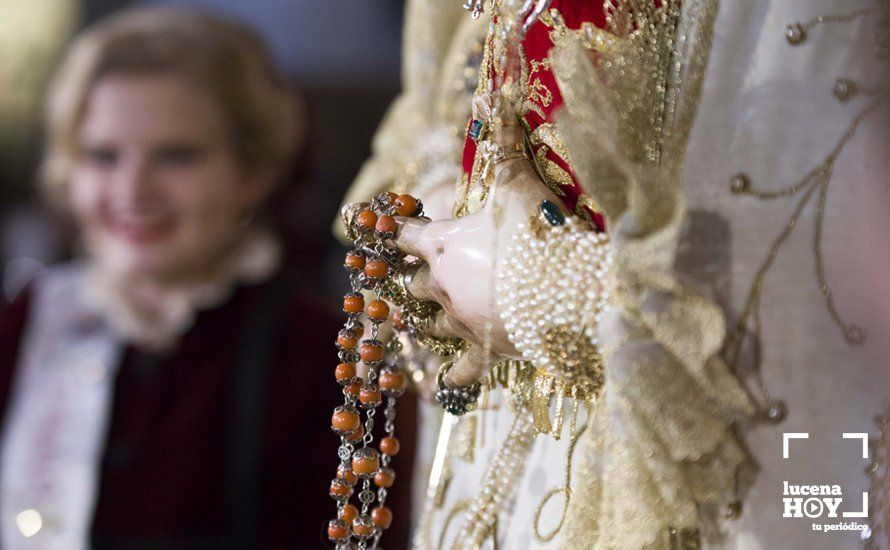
[(770, 111), (747, 204)]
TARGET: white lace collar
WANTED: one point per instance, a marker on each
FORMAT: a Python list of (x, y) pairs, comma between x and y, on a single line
[(173, 310)]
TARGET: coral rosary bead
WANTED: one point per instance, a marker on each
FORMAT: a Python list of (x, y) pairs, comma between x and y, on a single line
[(371, 351), (366, 219), (363, 527), (347, 475), (354, 388), (353, 303), (386, 225), (347, 339), (378, 310), (385, 478), (370, 396), (345, 420), (366, 462), (376, 269), (392, 382), (338, 529), (344, 373), (340, 489), (354, 261), (348, 513), (398, 321), (405, 205), (389, 446), (356, 436), (382, 517)]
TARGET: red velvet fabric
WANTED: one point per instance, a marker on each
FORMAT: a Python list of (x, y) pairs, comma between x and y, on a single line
[(537, 45)]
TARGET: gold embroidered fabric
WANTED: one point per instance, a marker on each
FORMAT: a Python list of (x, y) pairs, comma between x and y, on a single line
[(659, 453), (419, 142), (532, 95)]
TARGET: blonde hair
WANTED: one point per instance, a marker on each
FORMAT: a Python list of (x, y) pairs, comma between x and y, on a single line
[(225, 59)]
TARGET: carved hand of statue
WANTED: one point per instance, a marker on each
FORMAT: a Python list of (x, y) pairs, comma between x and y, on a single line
[(462, 255)]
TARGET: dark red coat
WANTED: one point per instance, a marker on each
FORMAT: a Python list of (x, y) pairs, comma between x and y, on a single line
[(183, 468)]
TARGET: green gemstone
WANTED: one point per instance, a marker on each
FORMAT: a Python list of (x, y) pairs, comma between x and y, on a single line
[(552, 213), (475, 130)]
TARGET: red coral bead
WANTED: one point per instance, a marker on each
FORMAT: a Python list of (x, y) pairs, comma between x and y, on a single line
[(366, 219), (363, 527), (356, 436), (398, 321), (392, 382), (344, 372), (354, 261), (385, 478), (347, 339), (405, 205), (340, 489), (353, 303), (378, 310), (347, 475), (371, 351), (338, 530), (353, 389), (345, 420), (348, 513), (376, 269), (382, 517), (386, 224), (370, 396), (389, 446), (366, 462)]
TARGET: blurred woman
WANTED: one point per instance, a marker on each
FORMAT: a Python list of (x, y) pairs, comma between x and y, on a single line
[(156, 392)]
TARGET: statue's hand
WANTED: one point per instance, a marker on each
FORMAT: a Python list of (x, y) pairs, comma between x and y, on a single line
[(462, 256)]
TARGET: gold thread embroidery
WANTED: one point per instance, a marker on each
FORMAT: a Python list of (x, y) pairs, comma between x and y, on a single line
[(537, 91), (566, 489), (586, 202), (548, 134), (554, 176), (458, 508), (818, 179)]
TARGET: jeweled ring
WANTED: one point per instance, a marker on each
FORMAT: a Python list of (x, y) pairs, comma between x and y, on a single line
[(509, 152), (458, 400), (406, 276)]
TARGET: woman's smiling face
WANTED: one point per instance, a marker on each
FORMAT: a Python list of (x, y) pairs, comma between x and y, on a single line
[(157, 188)]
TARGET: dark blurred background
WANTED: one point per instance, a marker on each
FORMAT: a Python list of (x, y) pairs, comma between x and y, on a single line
[(342, 55)]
